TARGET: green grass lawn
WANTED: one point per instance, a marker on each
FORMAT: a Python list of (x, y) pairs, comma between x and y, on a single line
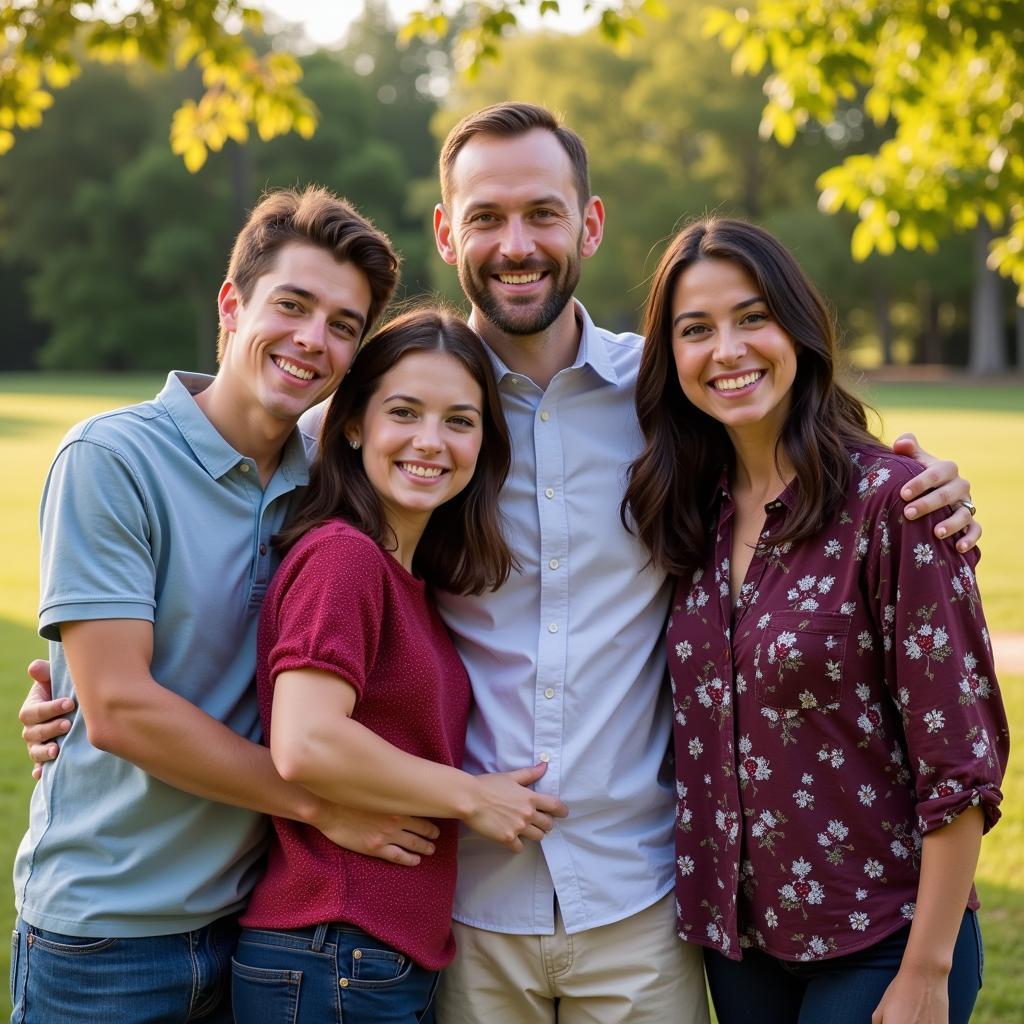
[(981, 427)]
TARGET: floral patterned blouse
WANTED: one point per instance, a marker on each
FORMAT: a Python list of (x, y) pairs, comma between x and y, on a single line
[(844, 707)]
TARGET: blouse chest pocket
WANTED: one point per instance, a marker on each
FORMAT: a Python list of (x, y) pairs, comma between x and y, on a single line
[(799, 660)]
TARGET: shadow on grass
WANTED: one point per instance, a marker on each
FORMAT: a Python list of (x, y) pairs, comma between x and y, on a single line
[(994, 397), (17, 426), (114, 385)]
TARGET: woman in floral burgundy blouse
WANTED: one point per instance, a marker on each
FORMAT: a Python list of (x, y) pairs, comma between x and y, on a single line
[(839, 737)]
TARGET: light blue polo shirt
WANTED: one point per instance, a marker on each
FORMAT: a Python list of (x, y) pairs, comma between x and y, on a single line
[(148, 513)]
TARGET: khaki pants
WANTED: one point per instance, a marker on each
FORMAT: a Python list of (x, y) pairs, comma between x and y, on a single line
[(635, 971)]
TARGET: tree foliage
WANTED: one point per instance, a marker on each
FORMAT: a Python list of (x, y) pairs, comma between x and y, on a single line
[(482, 27), (42, 43), (945, 80), (118, 261)]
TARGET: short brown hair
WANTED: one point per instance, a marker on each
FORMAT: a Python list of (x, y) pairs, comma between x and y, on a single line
[(462, 549), (508, 120), (318, 217)]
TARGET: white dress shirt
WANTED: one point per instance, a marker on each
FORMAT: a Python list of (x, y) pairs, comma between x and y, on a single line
[(566, 661)]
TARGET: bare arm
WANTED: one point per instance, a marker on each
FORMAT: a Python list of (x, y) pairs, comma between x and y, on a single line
[(939, 485), (129, 714), (918, 994), (339, 758)]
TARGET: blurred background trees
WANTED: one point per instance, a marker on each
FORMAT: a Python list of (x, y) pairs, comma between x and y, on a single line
[(111, 251)]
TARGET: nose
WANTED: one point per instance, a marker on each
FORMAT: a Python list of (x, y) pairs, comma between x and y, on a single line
[(311, 333), (729, 345), (428, 436), (516, 243)]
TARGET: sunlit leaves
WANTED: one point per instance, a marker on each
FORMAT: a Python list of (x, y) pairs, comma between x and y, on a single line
[(944, 79), (244, 89), (484, 25)]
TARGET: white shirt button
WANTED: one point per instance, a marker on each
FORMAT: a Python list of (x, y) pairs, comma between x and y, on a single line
[(549, 492), (553, 564), (544, 757), (545, 415), (244, 467), (549, 693), (552, 627)]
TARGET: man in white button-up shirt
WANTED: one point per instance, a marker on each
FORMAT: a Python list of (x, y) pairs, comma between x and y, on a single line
[(565, 658)]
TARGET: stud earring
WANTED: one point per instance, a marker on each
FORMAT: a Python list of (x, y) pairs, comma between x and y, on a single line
[(354, 444)]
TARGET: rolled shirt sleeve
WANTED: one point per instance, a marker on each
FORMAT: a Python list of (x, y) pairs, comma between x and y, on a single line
[(939, 668)]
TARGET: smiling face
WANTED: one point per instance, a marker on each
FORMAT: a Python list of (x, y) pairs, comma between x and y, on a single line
[(290, 344), (420, 435), (734, 362), (515, 230)]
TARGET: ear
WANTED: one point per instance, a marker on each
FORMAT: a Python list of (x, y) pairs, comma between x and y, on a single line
[(228, 301), (443, 235), (593, 226), (353, 435)]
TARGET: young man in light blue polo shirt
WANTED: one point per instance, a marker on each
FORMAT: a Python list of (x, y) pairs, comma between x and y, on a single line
[(157, 521)]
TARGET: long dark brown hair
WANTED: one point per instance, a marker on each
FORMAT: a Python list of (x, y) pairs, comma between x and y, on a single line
[(672, 481), (462, 549)]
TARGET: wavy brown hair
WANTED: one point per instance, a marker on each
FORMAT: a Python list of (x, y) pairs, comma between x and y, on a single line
[(462, 549), (672, 482)]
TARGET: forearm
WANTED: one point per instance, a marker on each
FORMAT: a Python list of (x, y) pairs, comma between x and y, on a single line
[(948, 861), (178, 743), (342, 761)]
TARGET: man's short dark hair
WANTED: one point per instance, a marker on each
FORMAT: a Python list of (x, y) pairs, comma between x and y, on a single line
[(508, 120)]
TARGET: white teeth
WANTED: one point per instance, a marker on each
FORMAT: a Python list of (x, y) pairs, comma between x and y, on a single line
[(518, 278), (735, 383), (425, 471), (294, 370)]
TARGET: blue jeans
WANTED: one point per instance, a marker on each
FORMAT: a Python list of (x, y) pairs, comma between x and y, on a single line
[(842, 990), (326, 975), (158, 979)]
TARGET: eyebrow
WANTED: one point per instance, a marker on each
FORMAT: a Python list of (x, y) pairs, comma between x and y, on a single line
[(699, 313), (413, 400), (305, 293), (487, 204)]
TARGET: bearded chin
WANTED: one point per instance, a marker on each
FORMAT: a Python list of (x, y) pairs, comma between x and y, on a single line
[(529, 319)]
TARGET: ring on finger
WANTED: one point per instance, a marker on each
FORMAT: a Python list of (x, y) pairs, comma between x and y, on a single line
[(969, 505)]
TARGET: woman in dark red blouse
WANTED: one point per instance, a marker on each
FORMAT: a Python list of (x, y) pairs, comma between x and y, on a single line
[(363, 697), (839, 737)]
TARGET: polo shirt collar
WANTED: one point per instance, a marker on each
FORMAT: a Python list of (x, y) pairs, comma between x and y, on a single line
[(592, 351), (210, 449)]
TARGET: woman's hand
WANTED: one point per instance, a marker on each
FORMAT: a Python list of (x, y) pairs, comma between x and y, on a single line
[(508, 812), (43, 719), (917, 995)]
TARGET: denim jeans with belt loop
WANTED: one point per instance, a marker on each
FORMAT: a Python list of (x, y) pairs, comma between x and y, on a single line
[(331, 973), (154, 979)]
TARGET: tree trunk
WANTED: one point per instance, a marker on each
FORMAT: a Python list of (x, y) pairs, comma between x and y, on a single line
[(929, 339), (883, 322), (987, 352), (1019, 360), (206, 330), (241, 182)]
